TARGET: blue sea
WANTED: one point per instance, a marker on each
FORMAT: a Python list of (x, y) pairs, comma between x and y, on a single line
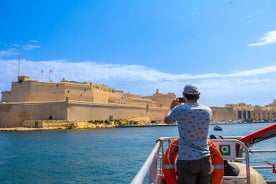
[(94, 155)]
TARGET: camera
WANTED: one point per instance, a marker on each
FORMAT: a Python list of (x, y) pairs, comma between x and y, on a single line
[(181, 99)]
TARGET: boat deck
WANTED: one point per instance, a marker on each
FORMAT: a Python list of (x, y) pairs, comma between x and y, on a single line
[(152, 170)]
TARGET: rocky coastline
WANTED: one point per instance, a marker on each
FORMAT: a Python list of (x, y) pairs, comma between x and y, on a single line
[(42, 125)]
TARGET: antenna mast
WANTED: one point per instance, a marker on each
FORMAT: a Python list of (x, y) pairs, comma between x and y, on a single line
[(18, 68)]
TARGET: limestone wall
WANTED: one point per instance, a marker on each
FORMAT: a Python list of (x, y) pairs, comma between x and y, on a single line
[(224, 114), (78, 91), (157, 113), (161, 100), (51, 124), (14, 114), (33, 91), (78, 111), (19, 93), (103, 94)]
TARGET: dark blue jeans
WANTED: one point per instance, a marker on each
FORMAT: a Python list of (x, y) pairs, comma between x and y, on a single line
[(194, 171)]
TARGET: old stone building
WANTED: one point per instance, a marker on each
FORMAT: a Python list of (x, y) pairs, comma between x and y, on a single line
[(30, 101), (256, 113), (74, 101), (242, 112)]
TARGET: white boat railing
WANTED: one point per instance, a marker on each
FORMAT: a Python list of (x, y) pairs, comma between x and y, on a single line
[(232, 156), (149, 166), (151, 170)]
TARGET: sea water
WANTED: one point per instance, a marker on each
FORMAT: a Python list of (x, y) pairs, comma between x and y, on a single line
[(95, 155)]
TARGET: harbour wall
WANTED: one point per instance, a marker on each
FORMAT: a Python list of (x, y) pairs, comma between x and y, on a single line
[(14, 114), (17, 114)]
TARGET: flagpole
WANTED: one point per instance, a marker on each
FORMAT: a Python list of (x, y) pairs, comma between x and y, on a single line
[(42, 71), (50, 72)]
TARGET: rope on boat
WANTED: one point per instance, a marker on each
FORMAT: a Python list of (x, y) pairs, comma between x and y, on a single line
[(265, 161)]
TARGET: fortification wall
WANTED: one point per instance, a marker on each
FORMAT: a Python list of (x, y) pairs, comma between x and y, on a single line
[(79, 92), (139, 101), (33, 91), (161, 100), (26, 90), (103, 95), (14, 114), (157, 113), (19, 93), (78, 111), (45, 92)]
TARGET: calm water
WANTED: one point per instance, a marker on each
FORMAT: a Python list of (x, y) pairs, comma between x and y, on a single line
[(91, 156)]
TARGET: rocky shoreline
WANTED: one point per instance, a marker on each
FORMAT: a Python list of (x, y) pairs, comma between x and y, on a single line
[(77, 128), (88, 125)]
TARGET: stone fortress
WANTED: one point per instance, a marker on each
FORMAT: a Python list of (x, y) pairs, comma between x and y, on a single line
[(32, 103)]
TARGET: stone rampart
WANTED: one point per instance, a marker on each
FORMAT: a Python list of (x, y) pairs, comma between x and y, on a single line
[(80, 111), (157, 113), (32, 114), (14, 114)]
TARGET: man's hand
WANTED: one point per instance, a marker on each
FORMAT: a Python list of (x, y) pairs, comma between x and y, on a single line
[(174, 103)]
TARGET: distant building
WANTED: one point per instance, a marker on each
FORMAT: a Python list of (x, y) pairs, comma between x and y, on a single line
[(249, 113), (161, 100)]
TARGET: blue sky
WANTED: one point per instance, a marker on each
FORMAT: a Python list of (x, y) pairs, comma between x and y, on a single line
[(226, 47)]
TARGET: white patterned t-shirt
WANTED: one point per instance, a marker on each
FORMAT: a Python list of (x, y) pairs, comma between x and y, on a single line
[(193, 125)]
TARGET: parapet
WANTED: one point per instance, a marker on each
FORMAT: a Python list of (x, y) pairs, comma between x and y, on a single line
[(21, 79)]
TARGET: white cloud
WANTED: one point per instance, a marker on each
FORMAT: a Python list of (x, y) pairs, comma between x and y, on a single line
[(7, 53), (268, 38), (30, 47), (217, 88), (17, 48)]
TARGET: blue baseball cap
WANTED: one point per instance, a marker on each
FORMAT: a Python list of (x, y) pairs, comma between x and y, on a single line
[(191, 89)]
